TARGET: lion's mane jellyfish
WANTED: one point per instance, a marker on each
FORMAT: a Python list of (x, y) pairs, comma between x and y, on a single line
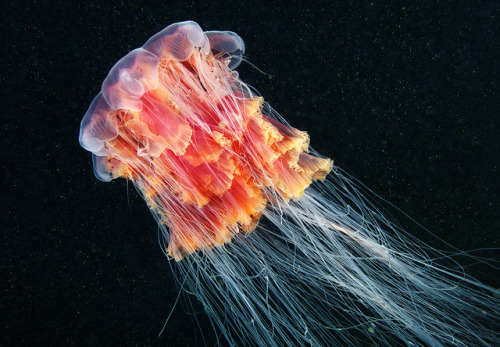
[(278, 252)]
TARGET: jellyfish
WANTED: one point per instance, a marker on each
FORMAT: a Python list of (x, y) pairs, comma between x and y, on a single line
[(279, 245)]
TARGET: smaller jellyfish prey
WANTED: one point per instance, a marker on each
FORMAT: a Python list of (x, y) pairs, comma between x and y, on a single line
[(280, 246)]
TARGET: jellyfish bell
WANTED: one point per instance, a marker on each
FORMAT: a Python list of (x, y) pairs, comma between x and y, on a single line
[(226, 46), (129, 79), (269, 244), (178, 41)]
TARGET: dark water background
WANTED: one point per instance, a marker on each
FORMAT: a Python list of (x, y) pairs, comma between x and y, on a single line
[(402, 95)]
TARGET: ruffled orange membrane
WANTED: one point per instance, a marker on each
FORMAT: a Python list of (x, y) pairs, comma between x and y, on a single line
[(173, 118)]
